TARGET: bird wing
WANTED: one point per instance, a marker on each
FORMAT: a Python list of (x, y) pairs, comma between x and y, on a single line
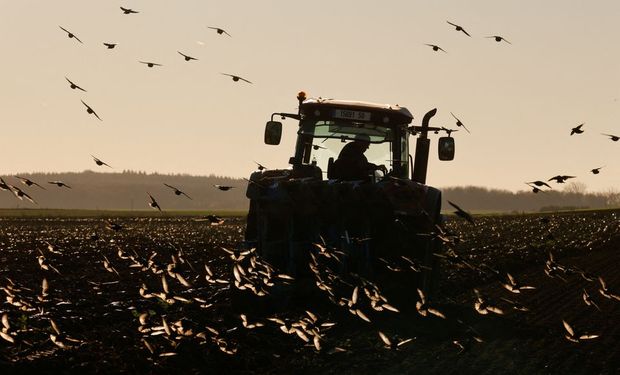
[(243, 79), (65, 30), (568, 328), (384, 338)]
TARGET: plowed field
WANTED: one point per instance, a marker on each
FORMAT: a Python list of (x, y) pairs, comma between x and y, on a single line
[(159, 295)]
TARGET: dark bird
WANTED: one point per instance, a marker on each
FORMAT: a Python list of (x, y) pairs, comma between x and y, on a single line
[(577, 129), (539, 183), (128, 11), (459, 28), (534, 188), (462, 213), (153, 203), (614, 138), (150, 64), (109, 45), (560, 179), (70, 34), (73, 85), (215, 220), (435, 47), (59, 184), (219, 31), (224, 187), (177, 191), (236, 78), (459, 122), (260, 166), (113, 226), (499, 38), (100, 163), (596, 170), (91, 111), (186, 57), (28, 182)]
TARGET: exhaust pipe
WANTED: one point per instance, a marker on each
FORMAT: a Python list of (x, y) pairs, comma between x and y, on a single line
[(422, 148)]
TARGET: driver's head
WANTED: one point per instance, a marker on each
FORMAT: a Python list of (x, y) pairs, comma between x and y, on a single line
[(363, 140)]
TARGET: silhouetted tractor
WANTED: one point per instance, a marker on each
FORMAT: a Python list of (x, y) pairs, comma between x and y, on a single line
[(375, 224)]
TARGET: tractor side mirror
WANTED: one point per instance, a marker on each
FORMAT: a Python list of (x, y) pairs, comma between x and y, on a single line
[(446, 148), (273, 132)]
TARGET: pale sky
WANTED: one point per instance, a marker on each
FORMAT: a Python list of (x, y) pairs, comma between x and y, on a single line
[(519, 100)]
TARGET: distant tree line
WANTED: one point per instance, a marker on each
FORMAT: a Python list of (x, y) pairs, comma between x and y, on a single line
[(128, 191)]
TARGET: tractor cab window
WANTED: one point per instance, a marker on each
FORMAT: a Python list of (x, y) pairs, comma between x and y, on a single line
[(324, 140)]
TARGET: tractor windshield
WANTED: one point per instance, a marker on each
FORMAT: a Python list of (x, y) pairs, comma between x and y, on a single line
[(326, 138)]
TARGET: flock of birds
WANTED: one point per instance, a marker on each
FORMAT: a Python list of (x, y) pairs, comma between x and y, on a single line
[(497, 38), (560, 179)]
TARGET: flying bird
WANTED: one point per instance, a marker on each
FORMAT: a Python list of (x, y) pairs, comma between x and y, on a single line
[(128, 11), (3, 185), (59, 184), (577, 129), (560, 179), (499, 38), (19, 193), (153, 203), (91, 111), (462, 213), (459, 122), (459, 28), (596, 170), (73, 85), (99, 162), (109, 45), (150, 64), (224, 187), (219, 31), (70, 34), (236, 78), (435, 47), (539, 183), (614, 138), (28, 182), (260, 167), (575, 336), (177, 191), (186, 57)]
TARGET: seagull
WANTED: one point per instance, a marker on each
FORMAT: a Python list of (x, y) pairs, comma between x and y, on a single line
[(109, 45), (4, 186), (91, 111), (260, 167), (534, 188), (19, 193), (150, 64), (73, 85), (153, 203), (224, 187), (219, 31), (577, 129), (28, 182), (186, 57), (539, 183), (435, 47), (59, 184), (459, 28), (70, 34), (177, 191), (462, 213), (100, 163), (596, 170), (459, 122), (614, 138), (236, 78), (499, 38), (128, 11), (574, 336), (560, 179)]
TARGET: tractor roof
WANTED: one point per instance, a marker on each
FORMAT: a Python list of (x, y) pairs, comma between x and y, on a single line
[(396, 113)]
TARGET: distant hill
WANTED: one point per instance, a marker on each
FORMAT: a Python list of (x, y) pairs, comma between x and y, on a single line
[(127, 190)]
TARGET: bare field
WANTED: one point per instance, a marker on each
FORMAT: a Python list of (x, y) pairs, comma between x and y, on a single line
[(79, 297)]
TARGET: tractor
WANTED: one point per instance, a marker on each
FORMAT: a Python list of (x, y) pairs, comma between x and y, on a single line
[(373, 223)]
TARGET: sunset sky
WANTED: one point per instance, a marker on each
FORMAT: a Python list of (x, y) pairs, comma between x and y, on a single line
[(519, 100)]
